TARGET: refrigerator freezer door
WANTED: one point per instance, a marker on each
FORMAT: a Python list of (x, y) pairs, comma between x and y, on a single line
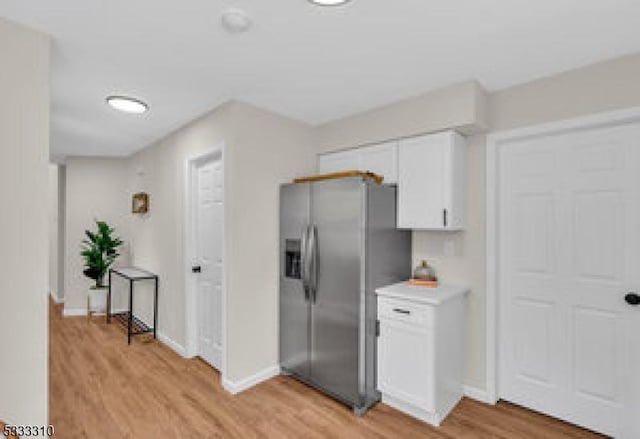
[(338, 216), (295, 205)]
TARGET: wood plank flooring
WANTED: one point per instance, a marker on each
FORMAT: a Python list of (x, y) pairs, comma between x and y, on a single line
[(100, 388)]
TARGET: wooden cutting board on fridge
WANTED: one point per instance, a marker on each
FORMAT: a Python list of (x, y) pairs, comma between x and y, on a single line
[(378, 179)]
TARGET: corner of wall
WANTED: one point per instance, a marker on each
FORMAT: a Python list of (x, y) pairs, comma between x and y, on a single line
[(482, 111), (24, 136)]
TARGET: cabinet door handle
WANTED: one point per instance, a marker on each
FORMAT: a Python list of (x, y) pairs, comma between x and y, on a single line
[(401, 311), (444, 217), (632, 299)]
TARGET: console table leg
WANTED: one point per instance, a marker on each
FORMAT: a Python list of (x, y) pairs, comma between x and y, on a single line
[(155, 311), (130, 311), (108, 310)]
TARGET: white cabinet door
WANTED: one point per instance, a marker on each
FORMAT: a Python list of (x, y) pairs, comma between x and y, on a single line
[(406, 363), (421, 202), (382, 160), (569, 253), (340, 161), (431, 182)]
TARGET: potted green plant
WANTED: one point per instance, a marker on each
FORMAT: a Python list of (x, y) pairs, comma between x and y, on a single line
[(99, 250)]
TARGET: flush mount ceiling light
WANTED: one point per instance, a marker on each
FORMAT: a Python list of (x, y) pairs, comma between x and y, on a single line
[(235, 20), (127, 104), (329, 2)]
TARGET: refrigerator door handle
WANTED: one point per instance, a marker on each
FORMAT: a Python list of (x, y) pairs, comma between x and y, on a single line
[(304, 262), (313, 256)]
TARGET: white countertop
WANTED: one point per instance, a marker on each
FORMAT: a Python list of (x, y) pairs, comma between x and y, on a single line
[(431, 296)]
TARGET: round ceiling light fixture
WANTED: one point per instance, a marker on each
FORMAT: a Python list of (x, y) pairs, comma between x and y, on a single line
[(329, 2), (127, 104), (236, 20)]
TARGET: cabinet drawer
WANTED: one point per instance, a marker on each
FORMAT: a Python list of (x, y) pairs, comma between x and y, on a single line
[(404, 311)]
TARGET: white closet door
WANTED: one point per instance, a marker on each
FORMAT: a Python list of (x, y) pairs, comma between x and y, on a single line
[(569, 246)]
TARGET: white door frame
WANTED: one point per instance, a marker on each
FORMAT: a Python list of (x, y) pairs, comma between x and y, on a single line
[(191, 311), (495, 142)]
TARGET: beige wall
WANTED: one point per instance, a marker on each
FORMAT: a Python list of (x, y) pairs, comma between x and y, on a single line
[(62, 193), (96, 189), (56, 231), (261, 150), (24, 145), (609, 85), (268, 150), (462, 106), (53, 218)]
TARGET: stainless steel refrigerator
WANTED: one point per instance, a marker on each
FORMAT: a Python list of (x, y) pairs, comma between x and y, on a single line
[(338, 242)]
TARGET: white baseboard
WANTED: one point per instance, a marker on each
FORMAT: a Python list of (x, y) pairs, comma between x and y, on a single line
[(244, 384), (478, 394), (173, 345), (412, 410), (54, 296)]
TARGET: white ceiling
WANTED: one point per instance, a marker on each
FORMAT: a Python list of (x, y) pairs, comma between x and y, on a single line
[(311, 63)]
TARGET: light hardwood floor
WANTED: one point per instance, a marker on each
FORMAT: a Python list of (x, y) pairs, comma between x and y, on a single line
[(100, 388)]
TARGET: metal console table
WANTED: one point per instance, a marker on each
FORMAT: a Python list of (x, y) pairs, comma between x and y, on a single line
[(134, 325)]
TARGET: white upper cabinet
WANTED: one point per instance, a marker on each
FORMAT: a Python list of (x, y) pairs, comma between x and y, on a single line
[(432, 182), (430, 172), (380, 159), (339, 161)]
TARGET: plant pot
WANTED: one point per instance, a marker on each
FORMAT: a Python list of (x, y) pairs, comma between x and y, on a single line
[(98, 300)]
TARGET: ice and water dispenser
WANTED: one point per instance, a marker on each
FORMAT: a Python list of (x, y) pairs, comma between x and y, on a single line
[(293, 258)]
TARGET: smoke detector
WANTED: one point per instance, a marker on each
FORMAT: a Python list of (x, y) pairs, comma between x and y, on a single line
[(235, 20)]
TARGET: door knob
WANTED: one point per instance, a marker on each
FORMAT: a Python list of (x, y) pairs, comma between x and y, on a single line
[(196, 269), (632, 299)]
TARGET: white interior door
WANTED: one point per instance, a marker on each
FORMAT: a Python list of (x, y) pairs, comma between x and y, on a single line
[(569, 252), (209, 217)]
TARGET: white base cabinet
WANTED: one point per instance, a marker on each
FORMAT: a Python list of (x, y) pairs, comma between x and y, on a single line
[(421, 349)]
